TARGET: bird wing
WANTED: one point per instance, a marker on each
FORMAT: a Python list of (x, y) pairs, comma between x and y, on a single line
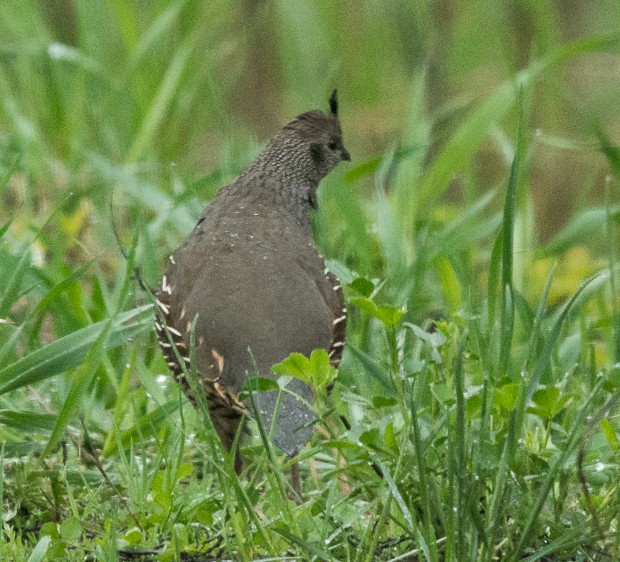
[(331, 291), (175, 346)]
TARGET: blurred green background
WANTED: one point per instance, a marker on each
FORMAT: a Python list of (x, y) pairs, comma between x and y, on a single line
[(160, 89)]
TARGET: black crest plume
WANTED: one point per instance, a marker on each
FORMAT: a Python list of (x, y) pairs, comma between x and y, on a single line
[(333, 103)]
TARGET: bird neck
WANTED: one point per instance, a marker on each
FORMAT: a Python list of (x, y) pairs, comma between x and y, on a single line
[(288, 183)]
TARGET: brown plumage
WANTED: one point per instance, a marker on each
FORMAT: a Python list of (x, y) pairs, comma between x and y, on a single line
[(252, 276)]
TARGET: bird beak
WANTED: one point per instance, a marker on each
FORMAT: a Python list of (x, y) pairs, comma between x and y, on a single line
[(345, 155)]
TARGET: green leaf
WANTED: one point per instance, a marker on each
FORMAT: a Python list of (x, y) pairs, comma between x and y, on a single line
[(147, 426), (463, 144), (315, 370), (372, 165), (372, 439), (341, 271), (133, 536), (64, 285), (390, 438), (466, 229), (258, 384), (383, 402), (374, 369), (363, 286), (387, 315), (11, 291), (433, 339), (506, 395), (5, 227), (70, 529), (38, 554), (160, 104), (27, 421), (310, 548), (579, 230), (610, 434), (82, 380), (70, 351), (612, 382), (21, 448), (549, 402), (443, 392), (49, 529)]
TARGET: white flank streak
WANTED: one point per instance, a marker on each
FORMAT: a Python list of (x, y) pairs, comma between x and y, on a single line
[(164, 285), (163, 307)]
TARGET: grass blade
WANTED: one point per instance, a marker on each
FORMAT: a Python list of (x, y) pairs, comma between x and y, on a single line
[(70, 351), (507, 298)]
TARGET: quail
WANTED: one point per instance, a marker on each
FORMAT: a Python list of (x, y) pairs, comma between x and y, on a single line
[(250, 285)]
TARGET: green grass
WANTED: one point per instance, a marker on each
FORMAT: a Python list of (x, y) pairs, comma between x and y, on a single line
[(475, 233)]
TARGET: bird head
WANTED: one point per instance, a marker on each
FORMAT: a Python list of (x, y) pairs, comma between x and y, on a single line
[(321, 136), (298, 157)]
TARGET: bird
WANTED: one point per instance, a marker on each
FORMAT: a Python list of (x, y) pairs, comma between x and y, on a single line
[(249, 287)]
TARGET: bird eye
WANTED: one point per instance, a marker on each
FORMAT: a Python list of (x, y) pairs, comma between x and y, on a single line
[(332, 145)]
